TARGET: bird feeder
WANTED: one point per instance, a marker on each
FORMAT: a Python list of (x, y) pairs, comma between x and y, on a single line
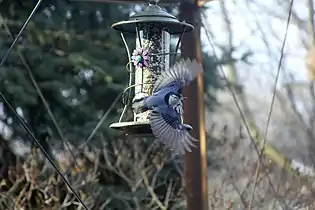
[(152, 28)]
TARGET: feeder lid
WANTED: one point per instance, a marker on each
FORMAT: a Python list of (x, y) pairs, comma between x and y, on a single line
[(155, 15)]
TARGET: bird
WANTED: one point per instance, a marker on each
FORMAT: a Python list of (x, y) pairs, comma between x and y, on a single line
[(166, 105)]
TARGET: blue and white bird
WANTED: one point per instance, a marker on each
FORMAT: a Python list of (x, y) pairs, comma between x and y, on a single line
[(167, 106)]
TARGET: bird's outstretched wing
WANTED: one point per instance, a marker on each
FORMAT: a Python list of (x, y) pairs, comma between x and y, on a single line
[(168, 129), (181, 74)]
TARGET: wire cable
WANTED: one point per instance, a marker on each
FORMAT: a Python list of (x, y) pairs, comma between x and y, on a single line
[(46, 105), (24, 125), (5, 57), (238, 106), (28, 130), (131, 71), (272, 101)]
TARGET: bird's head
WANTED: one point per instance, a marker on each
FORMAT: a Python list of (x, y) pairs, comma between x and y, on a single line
[(174, 99)]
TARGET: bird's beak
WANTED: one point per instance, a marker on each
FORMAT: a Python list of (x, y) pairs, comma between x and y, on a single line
[(183, 98)]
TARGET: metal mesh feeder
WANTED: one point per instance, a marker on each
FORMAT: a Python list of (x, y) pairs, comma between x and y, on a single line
[(153, 28)]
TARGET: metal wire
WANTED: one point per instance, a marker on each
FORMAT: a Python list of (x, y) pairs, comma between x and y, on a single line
[(138, 35), (28, 130), (279, 68), (131, 75), (104, 117), (238, 106), (272, 100), (5, 57), (100, 122), (24, 125), (28, 68), (178, 43)]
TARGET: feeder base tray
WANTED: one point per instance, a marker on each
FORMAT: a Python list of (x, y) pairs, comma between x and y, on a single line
[(133, 128)]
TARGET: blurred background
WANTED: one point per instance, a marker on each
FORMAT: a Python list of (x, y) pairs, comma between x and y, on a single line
[(65, 77)]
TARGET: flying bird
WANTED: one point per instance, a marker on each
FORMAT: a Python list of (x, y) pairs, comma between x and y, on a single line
[(167, 106)]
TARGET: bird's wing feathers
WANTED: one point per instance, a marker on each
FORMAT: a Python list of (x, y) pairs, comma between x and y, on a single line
[(165, 128), (165, 121), (181, 74)]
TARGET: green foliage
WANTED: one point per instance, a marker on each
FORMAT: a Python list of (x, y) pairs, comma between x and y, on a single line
[(212, 80), (77, 60)]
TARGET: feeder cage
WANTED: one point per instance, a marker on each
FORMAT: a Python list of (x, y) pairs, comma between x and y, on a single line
[(152, 28)]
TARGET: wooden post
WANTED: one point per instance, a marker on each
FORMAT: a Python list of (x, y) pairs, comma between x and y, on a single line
[(196, 161)]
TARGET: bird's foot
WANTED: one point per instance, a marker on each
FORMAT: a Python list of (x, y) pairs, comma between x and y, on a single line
[(187, 127)]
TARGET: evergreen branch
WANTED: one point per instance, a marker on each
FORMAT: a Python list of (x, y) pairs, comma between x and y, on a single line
[(27, 66), (38, 90)]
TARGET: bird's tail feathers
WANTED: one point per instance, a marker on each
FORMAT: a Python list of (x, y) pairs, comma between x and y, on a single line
[(175, 138), (182, 147)]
